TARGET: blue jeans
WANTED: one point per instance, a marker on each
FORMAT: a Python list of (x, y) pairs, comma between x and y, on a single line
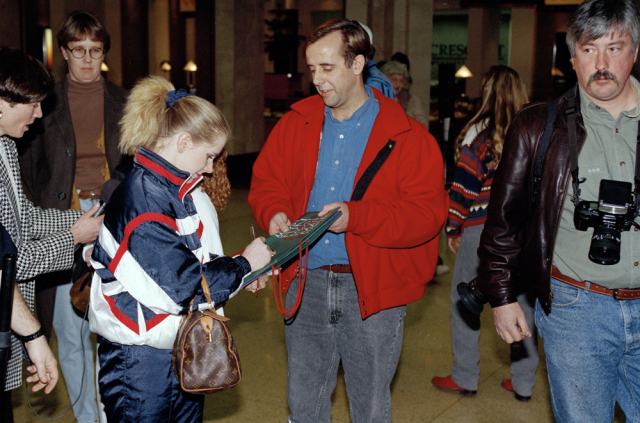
[(592, 344), (75, 350), (328, 329)]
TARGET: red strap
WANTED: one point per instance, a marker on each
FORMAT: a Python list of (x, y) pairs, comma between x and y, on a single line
[(131, 226), (302, 278)]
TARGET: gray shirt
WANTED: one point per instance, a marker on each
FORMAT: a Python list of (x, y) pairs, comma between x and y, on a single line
[(608, 153)]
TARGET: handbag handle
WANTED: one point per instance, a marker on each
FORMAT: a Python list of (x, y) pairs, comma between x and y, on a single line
[(206, 290), (207, 295)]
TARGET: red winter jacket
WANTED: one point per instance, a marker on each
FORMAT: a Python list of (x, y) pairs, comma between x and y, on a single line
[(393, 228)]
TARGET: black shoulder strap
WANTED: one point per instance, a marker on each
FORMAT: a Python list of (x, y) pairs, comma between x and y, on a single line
[(543, 146), (365, 180)]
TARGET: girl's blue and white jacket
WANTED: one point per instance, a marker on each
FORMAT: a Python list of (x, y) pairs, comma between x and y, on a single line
[(149, 259)]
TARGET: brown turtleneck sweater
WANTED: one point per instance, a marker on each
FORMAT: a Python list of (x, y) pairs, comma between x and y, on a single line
[(86, 104)]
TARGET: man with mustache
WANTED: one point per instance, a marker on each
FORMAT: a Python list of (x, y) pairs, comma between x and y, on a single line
[(352, 148), (587, 313)]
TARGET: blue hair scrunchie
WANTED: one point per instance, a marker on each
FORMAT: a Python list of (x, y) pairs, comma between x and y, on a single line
[(175, 95)]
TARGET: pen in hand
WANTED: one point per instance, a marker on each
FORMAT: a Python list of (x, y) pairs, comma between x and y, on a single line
[(253, 237)]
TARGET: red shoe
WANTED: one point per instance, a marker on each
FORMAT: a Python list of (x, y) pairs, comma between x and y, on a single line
[(447, 384), (508, 386)]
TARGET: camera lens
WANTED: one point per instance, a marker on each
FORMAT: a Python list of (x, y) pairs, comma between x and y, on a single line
[(471, 296), (605, 246)]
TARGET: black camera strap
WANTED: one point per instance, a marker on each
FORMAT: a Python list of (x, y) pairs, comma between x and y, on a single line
[(573, 105), (636, 176), (541, 152)]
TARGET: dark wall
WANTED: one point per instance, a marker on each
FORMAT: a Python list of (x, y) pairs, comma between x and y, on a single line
[(177, 45), (16, 31), (96, 8), (135, 41), (205, 49), (549, 23), (10, 24)]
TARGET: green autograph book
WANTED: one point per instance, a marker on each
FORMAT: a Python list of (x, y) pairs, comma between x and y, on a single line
[(303, 231)]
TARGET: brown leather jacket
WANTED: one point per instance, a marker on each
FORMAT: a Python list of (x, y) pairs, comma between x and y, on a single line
[(516, 248)]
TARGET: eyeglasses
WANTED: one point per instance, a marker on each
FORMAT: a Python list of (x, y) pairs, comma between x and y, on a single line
[(79, 52)]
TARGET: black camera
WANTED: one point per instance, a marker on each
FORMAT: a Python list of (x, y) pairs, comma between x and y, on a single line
[(613, 213), (471, 296)]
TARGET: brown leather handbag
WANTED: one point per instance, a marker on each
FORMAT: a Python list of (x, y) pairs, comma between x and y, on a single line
[(205, 359)]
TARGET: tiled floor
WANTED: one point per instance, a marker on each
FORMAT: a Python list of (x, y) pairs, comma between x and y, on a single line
[(259, 333)]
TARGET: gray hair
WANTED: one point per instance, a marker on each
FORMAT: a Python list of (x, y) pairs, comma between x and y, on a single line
[(596, 18), (392, 67)]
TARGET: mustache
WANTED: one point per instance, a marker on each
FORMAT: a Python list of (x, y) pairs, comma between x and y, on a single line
[(603, 74)]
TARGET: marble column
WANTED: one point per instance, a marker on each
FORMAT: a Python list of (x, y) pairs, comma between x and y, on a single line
[(400, 25), (419, 39), (357, 10), (522, 43), (159, 37), (239, 76), (482, 45)]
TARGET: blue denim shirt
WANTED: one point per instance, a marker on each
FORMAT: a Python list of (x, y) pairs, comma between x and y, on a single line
[(341, 147)]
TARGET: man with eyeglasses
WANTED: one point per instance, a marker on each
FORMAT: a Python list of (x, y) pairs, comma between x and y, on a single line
[(64, 167)]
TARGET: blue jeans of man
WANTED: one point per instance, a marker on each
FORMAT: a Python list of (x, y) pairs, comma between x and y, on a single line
[(592, 344), (328, 329), (75, 350)]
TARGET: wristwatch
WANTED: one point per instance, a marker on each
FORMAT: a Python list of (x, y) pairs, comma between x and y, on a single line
[(31, 337)]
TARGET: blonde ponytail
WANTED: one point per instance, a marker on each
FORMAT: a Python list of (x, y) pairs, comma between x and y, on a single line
[(148, 120)]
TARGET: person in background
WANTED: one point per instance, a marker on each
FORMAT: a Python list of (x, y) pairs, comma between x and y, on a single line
[(139, 297), (378, 255), (398, 75), (64, 167), (44, 238), (586, 312), (404, 95), (210, 197), (371, 74), (478, 151)]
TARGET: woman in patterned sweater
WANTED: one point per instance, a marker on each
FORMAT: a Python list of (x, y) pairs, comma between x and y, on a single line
[(478, 152)]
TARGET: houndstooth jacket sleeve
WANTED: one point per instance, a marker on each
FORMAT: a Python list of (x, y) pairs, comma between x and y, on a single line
[(43, 240), (45, 253), (45, 243)]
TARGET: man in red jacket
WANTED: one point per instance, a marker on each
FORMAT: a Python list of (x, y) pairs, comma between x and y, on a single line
[(349, 147)]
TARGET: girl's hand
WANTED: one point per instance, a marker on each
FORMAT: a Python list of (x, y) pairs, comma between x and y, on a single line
[(454, 243), (258, 254), (258, 284)]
